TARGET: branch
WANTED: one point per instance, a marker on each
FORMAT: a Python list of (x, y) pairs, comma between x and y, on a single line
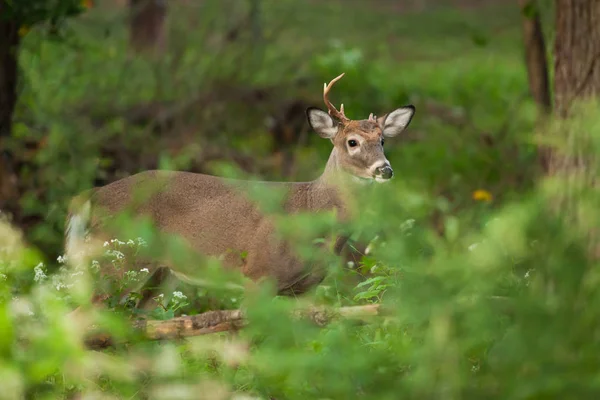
[(225, 320)]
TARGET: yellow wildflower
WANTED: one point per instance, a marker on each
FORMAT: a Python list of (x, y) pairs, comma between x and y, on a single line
[(482, 195), (23, 30)]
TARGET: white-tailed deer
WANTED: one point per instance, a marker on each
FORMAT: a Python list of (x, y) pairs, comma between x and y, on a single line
[(213, 215)]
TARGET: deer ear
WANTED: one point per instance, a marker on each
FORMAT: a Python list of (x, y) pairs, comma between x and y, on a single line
[(396, 121), (321, 122)]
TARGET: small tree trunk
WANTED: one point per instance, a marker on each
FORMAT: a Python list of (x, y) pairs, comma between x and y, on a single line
[(535, 55), (9, 43), (537, 66), (147, 25), (255, 21)]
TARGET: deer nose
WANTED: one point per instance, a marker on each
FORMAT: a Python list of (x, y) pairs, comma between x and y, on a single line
[(385, 171)]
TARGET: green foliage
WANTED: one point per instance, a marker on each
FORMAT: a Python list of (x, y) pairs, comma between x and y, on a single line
[(503, 314), (32, 12), (487, 294)]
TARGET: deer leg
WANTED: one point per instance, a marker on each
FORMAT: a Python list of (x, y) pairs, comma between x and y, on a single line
[(354, 252), (161, 282)]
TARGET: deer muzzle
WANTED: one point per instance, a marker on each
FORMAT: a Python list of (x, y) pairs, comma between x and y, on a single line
[(384, 172)]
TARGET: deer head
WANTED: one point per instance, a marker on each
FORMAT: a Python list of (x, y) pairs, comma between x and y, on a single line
[(359, 144)]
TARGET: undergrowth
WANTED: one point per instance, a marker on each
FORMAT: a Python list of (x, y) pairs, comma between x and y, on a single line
[(488, 293)]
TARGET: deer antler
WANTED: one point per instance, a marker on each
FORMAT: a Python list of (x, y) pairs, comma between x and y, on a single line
[(332, 110), (372, 117)]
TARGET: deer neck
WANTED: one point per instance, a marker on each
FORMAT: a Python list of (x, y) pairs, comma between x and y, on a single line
[(332, 175), (335, 189), (332, 186)]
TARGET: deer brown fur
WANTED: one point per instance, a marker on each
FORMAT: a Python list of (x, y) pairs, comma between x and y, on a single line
[(214, 215)]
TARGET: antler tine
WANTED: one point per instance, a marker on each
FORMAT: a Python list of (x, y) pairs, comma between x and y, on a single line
[(332, 110), (372, 117)]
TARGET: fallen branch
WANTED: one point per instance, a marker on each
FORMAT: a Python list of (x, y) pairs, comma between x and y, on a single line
[(225, 320)]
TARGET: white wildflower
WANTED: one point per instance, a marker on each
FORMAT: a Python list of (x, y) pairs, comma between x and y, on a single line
[(116, 254), (106, 244), (62, 259), (3, 276), (350, 264), (131, 275), (179, 295), (407, 225), (130, 242), (40, 274), (59, 284), (95, 265), (145, 270), (141, 242), (527, 276), (21, 307)]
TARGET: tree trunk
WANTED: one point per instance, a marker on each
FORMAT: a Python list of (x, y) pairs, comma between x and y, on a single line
[(577, 52), (147, 25), (576, 80), (9, 42), (576, 73)]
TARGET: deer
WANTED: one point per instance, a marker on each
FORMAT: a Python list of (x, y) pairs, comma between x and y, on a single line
[(212, 214)]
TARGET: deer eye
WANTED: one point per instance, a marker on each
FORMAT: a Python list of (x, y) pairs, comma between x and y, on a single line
[(352, 143), (382, 141)]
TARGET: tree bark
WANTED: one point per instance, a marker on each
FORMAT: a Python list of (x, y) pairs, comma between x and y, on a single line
[(576, 73), (147, 25), (577, 53), (576, 80), (9, 43)]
